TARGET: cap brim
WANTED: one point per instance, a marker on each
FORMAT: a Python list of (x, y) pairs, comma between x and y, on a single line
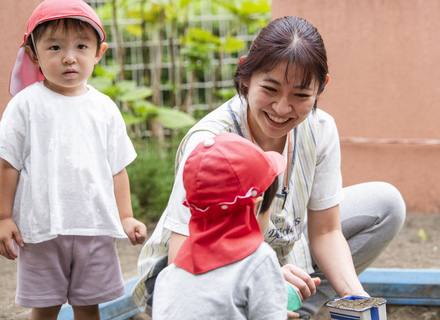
[(276, 161)]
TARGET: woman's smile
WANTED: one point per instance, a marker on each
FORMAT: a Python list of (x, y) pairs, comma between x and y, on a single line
[(277, 103), (277, 119)]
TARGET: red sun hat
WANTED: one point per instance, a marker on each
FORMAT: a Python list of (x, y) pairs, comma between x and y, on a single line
[(24, 73), (223, 177)]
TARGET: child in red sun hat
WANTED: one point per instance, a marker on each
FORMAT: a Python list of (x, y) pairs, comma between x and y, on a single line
[(224, 269)]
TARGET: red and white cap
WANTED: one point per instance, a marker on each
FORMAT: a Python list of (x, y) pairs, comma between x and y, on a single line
[(24, 73), (223, 177)]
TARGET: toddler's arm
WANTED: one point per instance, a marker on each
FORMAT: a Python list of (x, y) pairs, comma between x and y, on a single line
[(134, 229), (8, 228)]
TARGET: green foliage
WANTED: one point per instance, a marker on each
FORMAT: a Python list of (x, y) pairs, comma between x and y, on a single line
[(174, 119), (226, 94), (198, 44), (134, 96), (254, 14), (421, 234), (231, 44), (196, 51), (151, 179)]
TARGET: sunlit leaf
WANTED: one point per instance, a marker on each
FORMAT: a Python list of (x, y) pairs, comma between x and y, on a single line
[(134, 29), (184, 3), (136, 94), (126, 85), (101, 83), (131, 118), (232, 44), (143, 107), (105, 11), (109, 71), (200, 35), (174, 119), (152, 12), (250, 7), (135, 14), (422, 234)]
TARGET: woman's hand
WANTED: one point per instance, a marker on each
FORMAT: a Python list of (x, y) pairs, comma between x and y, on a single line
[(135, 230), (9, 231), (301, 280)]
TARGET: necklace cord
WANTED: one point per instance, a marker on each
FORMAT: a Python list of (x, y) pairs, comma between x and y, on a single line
[(285, 189)]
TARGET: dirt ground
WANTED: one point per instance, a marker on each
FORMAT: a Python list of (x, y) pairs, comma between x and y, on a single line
[(416, 247)]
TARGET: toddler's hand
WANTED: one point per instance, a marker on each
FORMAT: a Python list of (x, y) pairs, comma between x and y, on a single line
[(9, 231), (135, 230), (292, 315), (301, 280)]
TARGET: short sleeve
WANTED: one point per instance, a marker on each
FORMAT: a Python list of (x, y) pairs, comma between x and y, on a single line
[(267, 296), (327, 186), (13, 129), (120, 150)]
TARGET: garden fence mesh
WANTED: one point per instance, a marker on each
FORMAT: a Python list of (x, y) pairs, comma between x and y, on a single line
[(220, 20)]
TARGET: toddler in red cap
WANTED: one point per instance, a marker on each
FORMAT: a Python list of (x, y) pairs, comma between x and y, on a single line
[(224, 269), (64, 190)]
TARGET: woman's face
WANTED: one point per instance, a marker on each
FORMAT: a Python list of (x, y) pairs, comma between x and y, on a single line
[(277, 106)]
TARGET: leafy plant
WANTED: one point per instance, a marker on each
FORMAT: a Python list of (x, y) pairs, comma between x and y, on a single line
[(139, 109), (162, 26), (151, 179)]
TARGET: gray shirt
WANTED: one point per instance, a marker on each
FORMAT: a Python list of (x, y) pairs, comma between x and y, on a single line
[(251, 288)]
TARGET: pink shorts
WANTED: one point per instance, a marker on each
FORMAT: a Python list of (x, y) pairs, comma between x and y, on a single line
[(83, 270)]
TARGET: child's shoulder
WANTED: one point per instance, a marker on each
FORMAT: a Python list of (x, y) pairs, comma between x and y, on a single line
[(29, 92), (26, 98), (263, 255), (99, 95)]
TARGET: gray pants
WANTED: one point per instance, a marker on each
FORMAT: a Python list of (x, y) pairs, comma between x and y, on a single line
[(371, 215)]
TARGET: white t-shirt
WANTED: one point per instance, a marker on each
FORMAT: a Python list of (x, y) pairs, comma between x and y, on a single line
[(67, 150), (251, 288)]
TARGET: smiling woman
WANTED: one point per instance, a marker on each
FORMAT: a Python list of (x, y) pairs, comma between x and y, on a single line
[(279, 83), (277, 106)]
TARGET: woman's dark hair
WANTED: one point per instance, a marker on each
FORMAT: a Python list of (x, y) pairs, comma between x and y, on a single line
[(269, 195), (67, 23), (289, 40)]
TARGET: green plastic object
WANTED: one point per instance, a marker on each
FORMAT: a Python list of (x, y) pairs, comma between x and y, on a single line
[(293, 299)]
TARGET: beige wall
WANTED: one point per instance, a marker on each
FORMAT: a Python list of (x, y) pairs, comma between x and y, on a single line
[(14, 16), (384, 86)]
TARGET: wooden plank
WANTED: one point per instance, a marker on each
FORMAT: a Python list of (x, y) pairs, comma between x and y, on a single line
[(397, 286), (403, 286)]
